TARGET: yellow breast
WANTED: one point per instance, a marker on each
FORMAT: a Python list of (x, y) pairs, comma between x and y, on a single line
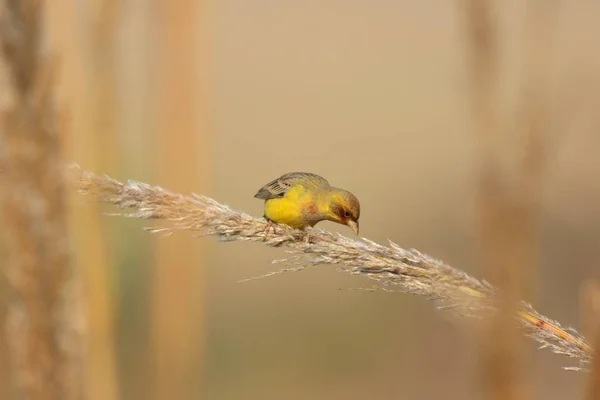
[(296, 209)]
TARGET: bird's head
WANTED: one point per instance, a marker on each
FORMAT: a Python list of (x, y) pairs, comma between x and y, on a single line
[(344, 208)]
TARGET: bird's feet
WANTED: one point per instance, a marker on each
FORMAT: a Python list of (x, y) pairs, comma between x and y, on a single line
[(270, 226), (307, 239)]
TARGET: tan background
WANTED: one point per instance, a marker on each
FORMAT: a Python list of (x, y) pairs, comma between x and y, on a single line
[(373, 96)]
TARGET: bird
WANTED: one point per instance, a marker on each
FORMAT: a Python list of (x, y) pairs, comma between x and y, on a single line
[(301, 199)]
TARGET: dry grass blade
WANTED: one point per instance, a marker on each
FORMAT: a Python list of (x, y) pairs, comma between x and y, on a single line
[(391, 266)]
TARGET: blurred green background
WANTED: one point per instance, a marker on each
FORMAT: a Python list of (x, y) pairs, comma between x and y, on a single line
[(219, 97)]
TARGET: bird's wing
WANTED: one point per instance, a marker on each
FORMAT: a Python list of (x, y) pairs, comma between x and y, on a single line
[(281, 185)]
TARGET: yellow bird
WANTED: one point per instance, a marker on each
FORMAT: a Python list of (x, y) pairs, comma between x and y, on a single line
[(301, 199)]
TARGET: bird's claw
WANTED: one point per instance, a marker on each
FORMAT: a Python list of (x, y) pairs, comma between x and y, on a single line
[(268, 228), (307, 239)]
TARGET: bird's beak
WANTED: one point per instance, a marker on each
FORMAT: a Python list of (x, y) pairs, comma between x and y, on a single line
[(353, 225)]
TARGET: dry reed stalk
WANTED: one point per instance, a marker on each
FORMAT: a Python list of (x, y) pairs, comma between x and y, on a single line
[(505, 223), (511, 170), (42, 322), (87, 89), (177, 335), (391, 266), (4, 364), (97, 143)]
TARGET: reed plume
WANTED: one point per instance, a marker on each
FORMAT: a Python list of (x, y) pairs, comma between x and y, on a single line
[(391, 266)]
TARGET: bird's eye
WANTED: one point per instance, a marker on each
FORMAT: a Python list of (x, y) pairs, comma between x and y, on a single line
[(347, 214)]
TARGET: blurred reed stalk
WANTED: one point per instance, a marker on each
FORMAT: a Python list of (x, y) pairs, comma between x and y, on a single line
[(4, 362), (591, 317), (97, 142), (391, 266), (499, 216), (87, 88), (177, 336), (43, 322), (503, 225), (510, 175)]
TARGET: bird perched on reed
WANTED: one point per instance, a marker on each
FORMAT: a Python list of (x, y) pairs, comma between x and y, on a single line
[(301, 199)]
